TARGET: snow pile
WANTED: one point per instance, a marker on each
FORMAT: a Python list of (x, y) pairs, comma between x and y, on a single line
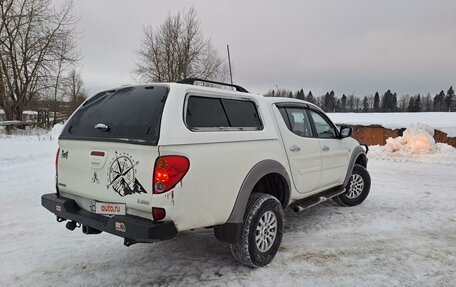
[(418, 145), (417, 139)]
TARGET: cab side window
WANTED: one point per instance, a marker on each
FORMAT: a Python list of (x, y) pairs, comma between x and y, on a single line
[(323, 127), (297, 121)]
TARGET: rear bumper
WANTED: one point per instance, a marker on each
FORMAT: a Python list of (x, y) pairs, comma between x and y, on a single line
[(133, 228)]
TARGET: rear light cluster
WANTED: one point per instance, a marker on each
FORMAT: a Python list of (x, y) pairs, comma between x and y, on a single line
[(168, 171)]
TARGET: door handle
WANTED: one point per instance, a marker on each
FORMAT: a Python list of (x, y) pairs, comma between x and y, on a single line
[(325, 148), (295, 148)]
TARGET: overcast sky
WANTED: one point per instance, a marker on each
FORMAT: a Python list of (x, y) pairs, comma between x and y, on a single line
[(350, 46)]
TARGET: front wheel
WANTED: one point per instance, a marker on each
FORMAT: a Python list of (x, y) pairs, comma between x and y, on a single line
[(357, 189), (261, 232)]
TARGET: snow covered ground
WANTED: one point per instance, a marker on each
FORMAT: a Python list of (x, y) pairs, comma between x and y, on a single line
[(404, 234)]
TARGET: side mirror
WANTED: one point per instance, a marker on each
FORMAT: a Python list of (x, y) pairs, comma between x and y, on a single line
[(345, 131)]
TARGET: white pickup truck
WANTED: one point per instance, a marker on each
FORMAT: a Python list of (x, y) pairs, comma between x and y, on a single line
[(146, 162)]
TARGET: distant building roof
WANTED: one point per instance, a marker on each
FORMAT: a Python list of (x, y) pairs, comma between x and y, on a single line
[(2, 112), (29, 113)]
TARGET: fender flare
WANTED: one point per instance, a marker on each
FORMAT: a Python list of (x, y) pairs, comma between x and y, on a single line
[(357, 152), (231, 230), (255, 174)]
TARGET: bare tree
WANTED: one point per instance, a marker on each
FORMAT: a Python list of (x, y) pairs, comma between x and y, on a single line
[(66, 58), (403, 102), (177, 49), (427, 103), (74, 90), (370, 101), (32, 33), (351, 103), (357, 103)]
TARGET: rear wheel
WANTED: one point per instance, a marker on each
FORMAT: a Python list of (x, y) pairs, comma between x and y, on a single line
[(357, 189), (261, 232)]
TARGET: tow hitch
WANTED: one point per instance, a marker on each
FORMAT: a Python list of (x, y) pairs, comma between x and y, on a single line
[(71, 225)]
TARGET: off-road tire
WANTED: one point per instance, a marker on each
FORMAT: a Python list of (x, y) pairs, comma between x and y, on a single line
[(360, 173), (246, 250)]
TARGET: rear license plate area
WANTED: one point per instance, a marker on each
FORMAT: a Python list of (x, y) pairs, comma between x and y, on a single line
[(110, 208)]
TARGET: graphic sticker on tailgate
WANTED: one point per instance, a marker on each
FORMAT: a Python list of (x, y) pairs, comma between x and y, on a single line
[(121, 175)]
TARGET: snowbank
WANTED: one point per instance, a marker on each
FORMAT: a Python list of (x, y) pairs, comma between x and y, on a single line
[(416, 144), (28, 147), (35, 132), (445, 122)]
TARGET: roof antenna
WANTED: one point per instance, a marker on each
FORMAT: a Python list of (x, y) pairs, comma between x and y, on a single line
[(229, 62)]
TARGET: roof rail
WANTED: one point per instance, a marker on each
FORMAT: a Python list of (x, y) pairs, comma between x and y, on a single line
[(191, 81)]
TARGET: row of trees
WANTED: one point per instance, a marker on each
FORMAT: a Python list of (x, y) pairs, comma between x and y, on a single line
[(38, 55), (388, 102)]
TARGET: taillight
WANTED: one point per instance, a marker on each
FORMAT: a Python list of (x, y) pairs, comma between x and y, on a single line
[(57, 160), (168, 171)]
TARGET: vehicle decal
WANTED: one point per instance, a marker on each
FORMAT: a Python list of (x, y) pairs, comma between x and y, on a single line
[(95, 178), (64, 154), (121, 175)]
